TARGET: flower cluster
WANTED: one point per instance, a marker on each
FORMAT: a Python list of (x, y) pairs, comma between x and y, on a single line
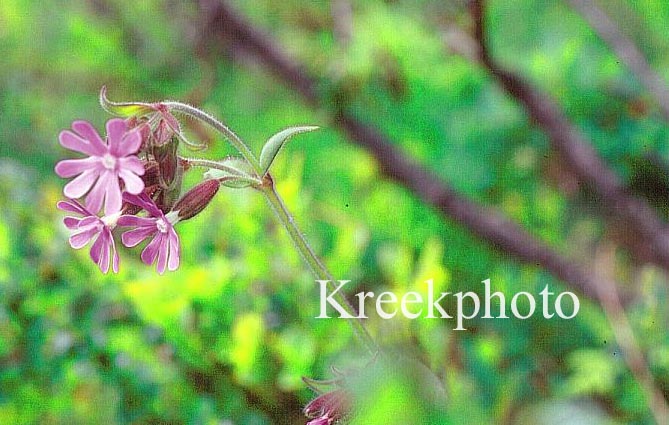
[(130, 179)]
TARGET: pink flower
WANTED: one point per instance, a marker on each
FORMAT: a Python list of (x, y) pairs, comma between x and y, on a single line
[(98, 175), (328, 408), (165, 243), (91, 227)]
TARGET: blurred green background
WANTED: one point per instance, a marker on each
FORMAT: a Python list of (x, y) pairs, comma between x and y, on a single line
[(227, 338)]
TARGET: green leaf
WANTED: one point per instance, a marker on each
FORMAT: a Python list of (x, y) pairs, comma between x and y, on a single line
[(276, 142), (233, 172)]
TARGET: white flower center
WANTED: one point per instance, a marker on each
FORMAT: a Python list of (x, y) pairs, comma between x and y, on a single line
[(161, 225), (108, 161), (110, 220)]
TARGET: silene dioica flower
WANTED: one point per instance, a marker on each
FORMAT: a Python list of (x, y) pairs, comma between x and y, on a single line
[(129, 184), (131, 179)]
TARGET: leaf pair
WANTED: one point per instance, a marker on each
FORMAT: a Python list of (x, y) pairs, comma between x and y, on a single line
[(237, 172)]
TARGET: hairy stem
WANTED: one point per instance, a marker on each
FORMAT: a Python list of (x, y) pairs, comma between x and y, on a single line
[(221, 128), (207, 163), (267, 188), (317, 267)]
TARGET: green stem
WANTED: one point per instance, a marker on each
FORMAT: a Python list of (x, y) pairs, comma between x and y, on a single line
[(316, 266), (220, 127), (196, 162), (266, 186)]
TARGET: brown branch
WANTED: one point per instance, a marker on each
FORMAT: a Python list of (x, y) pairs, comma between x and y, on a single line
[(579, 156), (626, 50), (222, 23)]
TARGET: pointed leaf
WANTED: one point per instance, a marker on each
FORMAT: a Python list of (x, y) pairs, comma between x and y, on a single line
[(276, 142)]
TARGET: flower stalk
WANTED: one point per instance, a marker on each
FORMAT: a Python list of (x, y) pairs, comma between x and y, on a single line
[(317, 267), (137, 173), (267, 188)]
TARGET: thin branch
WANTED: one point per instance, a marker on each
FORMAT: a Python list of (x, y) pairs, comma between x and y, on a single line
[(626, 50), (222, 23), (578, 154)]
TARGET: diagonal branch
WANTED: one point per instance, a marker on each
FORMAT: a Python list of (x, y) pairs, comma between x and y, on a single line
[(576, 151), (626, 50), (222, 23)]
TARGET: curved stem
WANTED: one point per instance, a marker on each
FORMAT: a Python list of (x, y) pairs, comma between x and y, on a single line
[(273, 198), (220, 127), (316, 266)]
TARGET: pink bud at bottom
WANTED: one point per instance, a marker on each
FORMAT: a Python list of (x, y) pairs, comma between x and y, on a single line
[(196, 199)]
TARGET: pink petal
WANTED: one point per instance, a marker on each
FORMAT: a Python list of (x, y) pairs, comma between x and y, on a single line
[(71, 222), (82, 184), (106, 251), (86, 130), (133, 184), (133, 220), (100, 251), (144, 201), (116, 128), (134, 237), (150, 253), (97, 194), (174, 251), (132, 164), (115, 259), (130, 143), (73, 142), (80, 239), (72, 206), (72, 167), (91, 220), (163, 254), (113, 200)]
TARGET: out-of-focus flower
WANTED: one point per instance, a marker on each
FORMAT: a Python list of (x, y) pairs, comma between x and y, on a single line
[(320, 421), (164, 247), (98, 175), (89, 227), (328, 408)]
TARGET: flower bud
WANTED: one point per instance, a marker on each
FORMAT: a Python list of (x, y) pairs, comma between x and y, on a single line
[(166, 197), (166, 157), (151, 174), (167, 126), (196, 199)]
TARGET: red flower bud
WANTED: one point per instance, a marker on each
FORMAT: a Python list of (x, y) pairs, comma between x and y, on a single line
[(196, 199), (166, 156), (151, 174)]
